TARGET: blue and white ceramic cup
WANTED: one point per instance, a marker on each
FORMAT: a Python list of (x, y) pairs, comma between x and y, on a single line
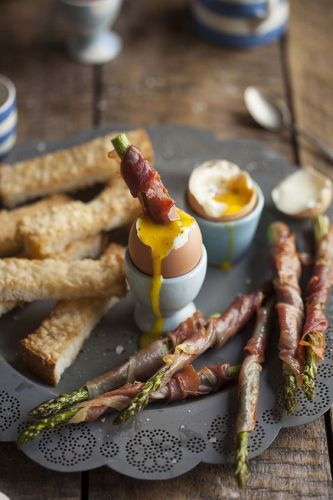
[(241, 23), (8, 115), (227, 242)]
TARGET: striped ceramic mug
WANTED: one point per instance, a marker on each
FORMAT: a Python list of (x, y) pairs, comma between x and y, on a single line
[(8, 116), (241, 23)]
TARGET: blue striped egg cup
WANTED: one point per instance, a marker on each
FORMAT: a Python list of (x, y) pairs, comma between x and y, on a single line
[(241, 23), (8, 115)]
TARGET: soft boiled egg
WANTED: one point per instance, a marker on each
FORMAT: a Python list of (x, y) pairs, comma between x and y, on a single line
[(164, 251), (218, 190)]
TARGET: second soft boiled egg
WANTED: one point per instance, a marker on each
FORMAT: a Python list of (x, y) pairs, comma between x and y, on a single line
[(170, 250), (219, 191)]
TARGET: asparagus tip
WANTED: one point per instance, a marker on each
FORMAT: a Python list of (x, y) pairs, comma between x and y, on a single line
[(241, 471), (53, 406), (309, 376), (121, 144), (290, 394)]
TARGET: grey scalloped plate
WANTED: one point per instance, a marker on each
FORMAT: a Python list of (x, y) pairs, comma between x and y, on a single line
[(165, 440)]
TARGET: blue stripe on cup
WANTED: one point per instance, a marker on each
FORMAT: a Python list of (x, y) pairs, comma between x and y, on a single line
[(239, 41), (240, 32), (8, 115), (238, 9)]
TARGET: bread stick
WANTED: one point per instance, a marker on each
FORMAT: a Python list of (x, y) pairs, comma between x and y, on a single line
[(28, 280), (49, 233), (90, 247), (65, 170), (9, 221), (53, 347)]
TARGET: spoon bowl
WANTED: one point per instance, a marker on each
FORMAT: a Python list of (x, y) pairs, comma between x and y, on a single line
[(268, 112)]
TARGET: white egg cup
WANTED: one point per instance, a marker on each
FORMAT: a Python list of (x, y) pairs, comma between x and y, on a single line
[(176, 295)]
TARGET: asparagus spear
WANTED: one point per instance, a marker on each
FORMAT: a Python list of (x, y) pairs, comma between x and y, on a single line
[(215, 334), (186, 383), (317, 293), (287, 267), (249, 386)]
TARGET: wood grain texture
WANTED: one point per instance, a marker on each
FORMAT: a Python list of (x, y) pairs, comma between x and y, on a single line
[(167, 73), (20, 478), (54, 94), (310, 48), (295, 466)]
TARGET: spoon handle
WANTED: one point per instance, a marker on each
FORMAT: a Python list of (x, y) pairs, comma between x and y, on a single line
[(324, 148)]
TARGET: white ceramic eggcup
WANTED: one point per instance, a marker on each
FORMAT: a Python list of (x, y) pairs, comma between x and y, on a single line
[(8, 115), (176, 295)]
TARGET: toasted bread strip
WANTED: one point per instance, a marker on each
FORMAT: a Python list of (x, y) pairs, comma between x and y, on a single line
[(9, 305), (53, 347), (9, 221), (49, 233), (65, 170), (90, 247), (28, 280)]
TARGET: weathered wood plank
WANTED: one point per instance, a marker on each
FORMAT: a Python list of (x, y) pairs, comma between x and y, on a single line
[(167, 73), (54, 94), (296, 466), (54, 100), (311, 70), (20, 478)]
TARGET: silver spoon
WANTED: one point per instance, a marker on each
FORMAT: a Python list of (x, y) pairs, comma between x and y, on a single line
[(272, 114)]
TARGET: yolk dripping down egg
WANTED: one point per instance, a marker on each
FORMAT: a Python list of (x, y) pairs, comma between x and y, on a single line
[(164, 251), (220, 191)]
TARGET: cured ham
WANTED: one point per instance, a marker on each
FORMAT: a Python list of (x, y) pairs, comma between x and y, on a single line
[(249, 388), (317, 292), (144, 182), (290, 310), (187, 383)]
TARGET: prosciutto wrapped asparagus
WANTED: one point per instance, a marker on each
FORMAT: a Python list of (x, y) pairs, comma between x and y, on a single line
[(146, 361), (287, 268), (187, 383), (215, 333), (144, 182), (317, 293), (248, 390)]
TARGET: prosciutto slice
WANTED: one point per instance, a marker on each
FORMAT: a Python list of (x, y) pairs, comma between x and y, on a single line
[(317, 293), (146, 184), (249, 377), (290, 310), (187, 383)]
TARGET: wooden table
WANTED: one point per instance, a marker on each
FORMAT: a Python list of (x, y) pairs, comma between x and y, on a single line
[(166, 73)]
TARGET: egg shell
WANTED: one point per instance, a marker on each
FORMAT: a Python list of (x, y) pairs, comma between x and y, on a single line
[(176, 263)]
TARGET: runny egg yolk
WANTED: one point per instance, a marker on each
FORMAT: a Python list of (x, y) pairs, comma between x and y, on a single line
[(235, 195), (161, 239)]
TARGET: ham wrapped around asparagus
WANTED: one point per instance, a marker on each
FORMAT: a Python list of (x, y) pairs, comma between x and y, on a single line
[(248, 389), (317, 293), (187, 383), (144, 182), (215, 333), (290, 310), (146, 361)]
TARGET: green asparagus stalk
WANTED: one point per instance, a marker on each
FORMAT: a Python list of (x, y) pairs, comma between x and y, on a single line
[(241, 472), (316, 299), (53, 406), (121, 144), (289, 390), (33, 430), (142, 399)]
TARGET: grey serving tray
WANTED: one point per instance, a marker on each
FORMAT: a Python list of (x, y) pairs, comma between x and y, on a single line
[(165, 440)]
